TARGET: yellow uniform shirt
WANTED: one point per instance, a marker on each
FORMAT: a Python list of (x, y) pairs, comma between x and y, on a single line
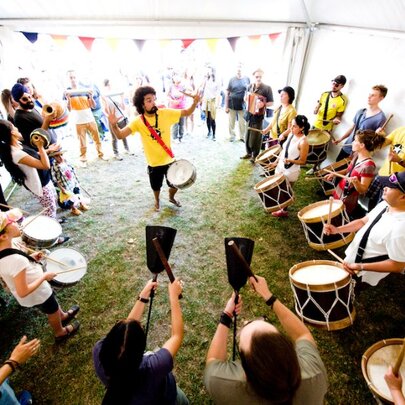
[(335, 105), (397, 138)]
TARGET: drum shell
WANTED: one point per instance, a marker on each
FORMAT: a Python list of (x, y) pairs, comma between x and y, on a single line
[(328, 187), (364, 366), (268, 156), (317, 149), (42, 133), (189, 182), (36, 242), (324, 295), (315, 236), (277, 194)]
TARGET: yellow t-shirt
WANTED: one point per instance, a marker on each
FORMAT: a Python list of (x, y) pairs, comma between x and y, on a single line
[(154, 153), (286, 116), (335, 105), (397, 138)]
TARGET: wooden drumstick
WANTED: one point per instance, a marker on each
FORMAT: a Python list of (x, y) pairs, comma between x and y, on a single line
[(72, 269), (34, 218), (398, 363), (386, 122), (46, 257), (337, 174), (11, 208), (187, 94), (315, 178), (390, 164), (330, 210), (254, 129), (338, 258)]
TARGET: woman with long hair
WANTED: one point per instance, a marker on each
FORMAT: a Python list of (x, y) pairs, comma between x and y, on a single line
[(210, 95), (131, 375)]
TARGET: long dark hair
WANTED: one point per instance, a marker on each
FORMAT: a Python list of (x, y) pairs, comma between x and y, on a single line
[(370, 139), (121, 354), (271, 367), (139, 96), (302, 122), (5, 152)]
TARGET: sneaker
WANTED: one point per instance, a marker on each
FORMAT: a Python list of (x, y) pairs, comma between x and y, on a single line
[(213, 138), (103, 158), (247, 156), (280, 214), (84, 207), (241, 140), (118, 157), (128, 152), (83, 164)]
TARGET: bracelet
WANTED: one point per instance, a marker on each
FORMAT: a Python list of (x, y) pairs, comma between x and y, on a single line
[(13, 364), (144, 300), (271, 300), (225, 320)]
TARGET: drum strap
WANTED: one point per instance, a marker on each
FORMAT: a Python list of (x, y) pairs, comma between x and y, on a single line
[(325, 112), (157, 138), (347, 189), (278, 112), (364, 239), (288, 165), (11, 251)]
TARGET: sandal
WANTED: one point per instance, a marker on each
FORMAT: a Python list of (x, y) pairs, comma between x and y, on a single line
[(175, 202), (72, 312), (62, 239), (75, 325)]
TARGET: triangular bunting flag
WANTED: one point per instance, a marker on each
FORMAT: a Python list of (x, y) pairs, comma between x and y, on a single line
[(139, 43), (59, 39), (232, 41), (87, 42), (187, 42), (31, 36), (274, 36)]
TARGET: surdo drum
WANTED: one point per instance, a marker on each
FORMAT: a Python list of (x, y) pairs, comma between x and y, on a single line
[(40, 133), (275, 192), (329, 186), (323, 294), (315, 216), (374, 364), (41, 232), (181, 174), (267, 159), (72, 260), (318, 145)]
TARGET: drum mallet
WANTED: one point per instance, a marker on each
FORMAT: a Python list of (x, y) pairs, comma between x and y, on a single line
[(187, 94), (254, 129), (330, 210), (9, 207), (46, 257), (398, 363), (342, 176)]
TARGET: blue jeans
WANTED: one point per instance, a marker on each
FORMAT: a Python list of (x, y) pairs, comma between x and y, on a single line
[(7, 396)]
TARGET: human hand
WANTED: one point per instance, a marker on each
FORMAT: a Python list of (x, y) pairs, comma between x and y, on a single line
[(25, 350), (393, 157), (175, 288), (394, 383), (38, 141), (37, 256), (227, 110), (330, 229), (49, 275), (352, 268), (150, 285), (260, 286), (112, 118), (329, 177), (380, 131), (196, 99), (231, 307), (54, 147), (354, 180), (336, 121), (336, 141)]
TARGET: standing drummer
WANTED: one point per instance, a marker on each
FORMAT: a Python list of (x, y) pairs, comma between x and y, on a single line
[(379, 245), (157, 151)]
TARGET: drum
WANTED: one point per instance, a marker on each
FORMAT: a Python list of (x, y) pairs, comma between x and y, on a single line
[(40, 133), (318, 145), (62, 114), (71, 265), (275, 192), (329, 186), (323, 294), (181, 174), (374, 364), (268, 156), (315, 216), (41, 232)]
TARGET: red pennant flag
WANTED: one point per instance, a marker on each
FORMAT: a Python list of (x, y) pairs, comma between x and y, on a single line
[(87, 42), (232, 41), (273, 37), (187, 42)]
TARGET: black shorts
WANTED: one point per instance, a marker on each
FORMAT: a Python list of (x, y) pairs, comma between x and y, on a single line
[(50, 306), (156, 176)]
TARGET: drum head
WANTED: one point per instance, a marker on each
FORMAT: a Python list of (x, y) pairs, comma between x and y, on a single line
[(181, 174), (270, 182), (71, 259), (317, 137), (375, 364), (273, 151), (319, 210)]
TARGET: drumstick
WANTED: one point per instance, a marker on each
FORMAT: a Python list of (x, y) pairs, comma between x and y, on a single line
[(386, 122), (245, 264), (398, 363), (34, 218), (330, 210), (337, 174), (9, 207), (69, 270), (254, 129), (314, 178), (46, 257), (187, 94), (338, 258)]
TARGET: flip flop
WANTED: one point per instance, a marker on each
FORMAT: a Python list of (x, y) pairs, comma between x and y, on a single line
[(175, 202), (75, 326), (72, 312)]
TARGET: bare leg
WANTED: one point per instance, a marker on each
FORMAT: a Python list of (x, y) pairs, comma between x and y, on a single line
[(157, 202), (55, 321), (172, 193)]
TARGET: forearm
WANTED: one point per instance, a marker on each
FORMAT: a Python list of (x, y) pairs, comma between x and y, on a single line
[(347, 133), (217, 350), (44, 158), (5, 372), (190, 110), (353, 226), (385, 266), (176, 318), (397, 397)]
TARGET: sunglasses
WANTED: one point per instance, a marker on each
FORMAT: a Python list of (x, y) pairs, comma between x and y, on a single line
[(258, 77), (25, 98), (394, 180)]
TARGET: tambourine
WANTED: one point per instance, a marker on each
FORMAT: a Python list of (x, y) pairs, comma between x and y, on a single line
[(40, 133)]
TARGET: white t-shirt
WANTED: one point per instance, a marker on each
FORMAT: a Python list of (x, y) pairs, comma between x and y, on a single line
[(32, 181), (11, 266), (387, 237)]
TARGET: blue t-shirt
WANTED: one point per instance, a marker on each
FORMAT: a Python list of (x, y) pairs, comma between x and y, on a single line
[(362, 122), (159, 386)]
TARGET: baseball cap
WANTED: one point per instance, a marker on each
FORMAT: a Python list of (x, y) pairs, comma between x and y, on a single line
[(340, 79), (396, 180), (7, 217)]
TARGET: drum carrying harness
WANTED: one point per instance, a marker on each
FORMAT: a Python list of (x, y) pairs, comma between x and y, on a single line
[(156, 136), (363, 242), (288, 165), (10, 251)]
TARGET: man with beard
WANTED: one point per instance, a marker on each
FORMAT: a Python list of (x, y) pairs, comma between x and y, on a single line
[(156, 140), (26, 117)]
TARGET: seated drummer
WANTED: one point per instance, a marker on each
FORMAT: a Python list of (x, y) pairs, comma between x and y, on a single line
[(274, 368), (28, 282), (379, 245)]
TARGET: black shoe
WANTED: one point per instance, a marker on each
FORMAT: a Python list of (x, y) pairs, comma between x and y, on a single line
[(62, 239), (247, 156), (62, 220)]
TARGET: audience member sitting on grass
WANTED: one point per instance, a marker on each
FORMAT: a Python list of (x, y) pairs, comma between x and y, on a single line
[(274, 368), (28, 282), (21, 353), (131, 375)]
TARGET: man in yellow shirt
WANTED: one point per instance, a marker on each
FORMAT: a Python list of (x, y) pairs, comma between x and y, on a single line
[(159, 157)]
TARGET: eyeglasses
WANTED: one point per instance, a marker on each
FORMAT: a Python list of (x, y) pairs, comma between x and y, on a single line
[(394, 180), (258, 77)]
